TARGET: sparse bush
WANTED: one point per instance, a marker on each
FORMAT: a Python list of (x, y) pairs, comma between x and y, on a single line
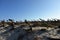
[(3, 22), (44, 24)]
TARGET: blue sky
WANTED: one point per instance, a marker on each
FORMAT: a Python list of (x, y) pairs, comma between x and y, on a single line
[(29, 9)]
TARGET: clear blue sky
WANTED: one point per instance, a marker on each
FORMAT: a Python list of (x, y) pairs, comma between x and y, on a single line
[(29, 9)]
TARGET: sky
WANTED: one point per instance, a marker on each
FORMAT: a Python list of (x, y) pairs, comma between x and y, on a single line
[(29, 9)]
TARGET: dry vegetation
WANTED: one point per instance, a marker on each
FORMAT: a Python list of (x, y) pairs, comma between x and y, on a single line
[(41, 23)]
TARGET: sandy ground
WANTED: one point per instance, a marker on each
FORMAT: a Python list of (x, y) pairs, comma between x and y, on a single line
[(20, 34)]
